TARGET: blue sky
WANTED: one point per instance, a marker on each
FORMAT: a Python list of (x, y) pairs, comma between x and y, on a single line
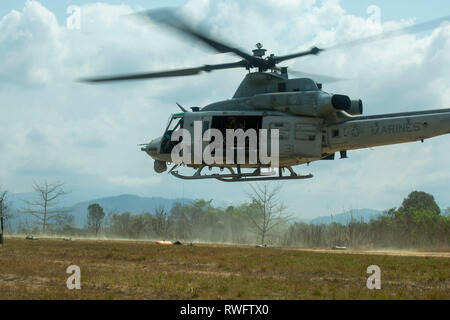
[(397, 9), (87, 136)]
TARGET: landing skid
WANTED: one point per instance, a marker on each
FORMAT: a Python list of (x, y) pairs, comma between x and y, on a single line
[(241, 177)]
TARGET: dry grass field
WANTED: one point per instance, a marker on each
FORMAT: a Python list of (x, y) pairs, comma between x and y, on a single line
[(143, 270)]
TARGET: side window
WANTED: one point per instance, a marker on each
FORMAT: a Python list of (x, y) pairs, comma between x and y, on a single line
[(283, 128), (335, 133)]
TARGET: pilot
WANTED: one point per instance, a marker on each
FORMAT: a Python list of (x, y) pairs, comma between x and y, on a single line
[(231, 124), (240, 124)]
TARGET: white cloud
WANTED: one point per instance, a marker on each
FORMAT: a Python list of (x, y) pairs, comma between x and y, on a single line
[(88, 135)]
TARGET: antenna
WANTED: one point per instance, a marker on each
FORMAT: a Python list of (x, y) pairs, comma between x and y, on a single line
[(181, 107)]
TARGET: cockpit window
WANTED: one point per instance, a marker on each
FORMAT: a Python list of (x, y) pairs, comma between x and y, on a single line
[(175, 122)]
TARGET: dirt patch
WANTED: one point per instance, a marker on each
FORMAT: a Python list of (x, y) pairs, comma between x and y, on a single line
[(399, 253)]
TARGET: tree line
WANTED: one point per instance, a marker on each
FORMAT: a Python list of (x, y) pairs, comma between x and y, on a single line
[(417, 223)]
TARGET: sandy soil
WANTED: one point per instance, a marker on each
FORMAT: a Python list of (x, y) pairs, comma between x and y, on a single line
[(402, 253)]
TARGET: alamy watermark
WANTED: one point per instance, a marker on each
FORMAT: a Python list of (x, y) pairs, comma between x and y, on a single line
[(74, 281), (236, 145), (73, 22), (374, 281), (375, 12)]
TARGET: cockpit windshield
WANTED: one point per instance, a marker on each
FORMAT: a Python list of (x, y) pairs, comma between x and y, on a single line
[(175, 122)]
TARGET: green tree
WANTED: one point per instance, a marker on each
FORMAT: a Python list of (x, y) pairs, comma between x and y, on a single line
[(63, 223), (121, 224), (95, 217), (447, 212), (419, 200), (417, 220), (237, 221)]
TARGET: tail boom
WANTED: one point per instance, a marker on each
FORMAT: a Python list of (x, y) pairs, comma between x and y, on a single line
[(372, 131)]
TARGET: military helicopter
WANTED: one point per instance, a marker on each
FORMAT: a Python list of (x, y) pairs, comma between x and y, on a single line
[(311, 124)]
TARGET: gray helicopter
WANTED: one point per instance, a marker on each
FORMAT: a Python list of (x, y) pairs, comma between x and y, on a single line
[(311, 124)]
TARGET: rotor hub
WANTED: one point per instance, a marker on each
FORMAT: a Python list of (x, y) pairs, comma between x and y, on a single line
[(259, 51)]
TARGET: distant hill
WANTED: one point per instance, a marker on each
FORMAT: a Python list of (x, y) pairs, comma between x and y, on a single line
[(123, 203), (137, 205), (116, 204), (344, 218)]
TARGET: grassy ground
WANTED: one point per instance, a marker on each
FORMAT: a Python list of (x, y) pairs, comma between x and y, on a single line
[(142, 270)]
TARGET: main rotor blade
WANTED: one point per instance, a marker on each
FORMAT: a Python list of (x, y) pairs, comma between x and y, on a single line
[(393, 34), (169, 18), (165, 74), (312, 51), (386, 35)]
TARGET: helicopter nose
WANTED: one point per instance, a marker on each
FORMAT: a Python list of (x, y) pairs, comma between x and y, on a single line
[(152, 148)]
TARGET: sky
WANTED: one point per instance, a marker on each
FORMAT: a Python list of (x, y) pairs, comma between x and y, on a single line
[(87, 136)]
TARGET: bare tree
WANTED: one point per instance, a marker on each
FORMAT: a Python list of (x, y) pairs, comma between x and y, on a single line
[(266, 210), (5, 210), (45, 208), (162, 222)]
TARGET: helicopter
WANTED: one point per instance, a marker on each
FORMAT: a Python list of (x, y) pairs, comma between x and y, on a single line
[(307, 123)]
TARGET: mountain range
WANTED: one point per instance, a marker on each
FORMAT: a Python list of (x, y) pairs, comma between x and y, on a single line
[(346, 217), (124, 203)]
